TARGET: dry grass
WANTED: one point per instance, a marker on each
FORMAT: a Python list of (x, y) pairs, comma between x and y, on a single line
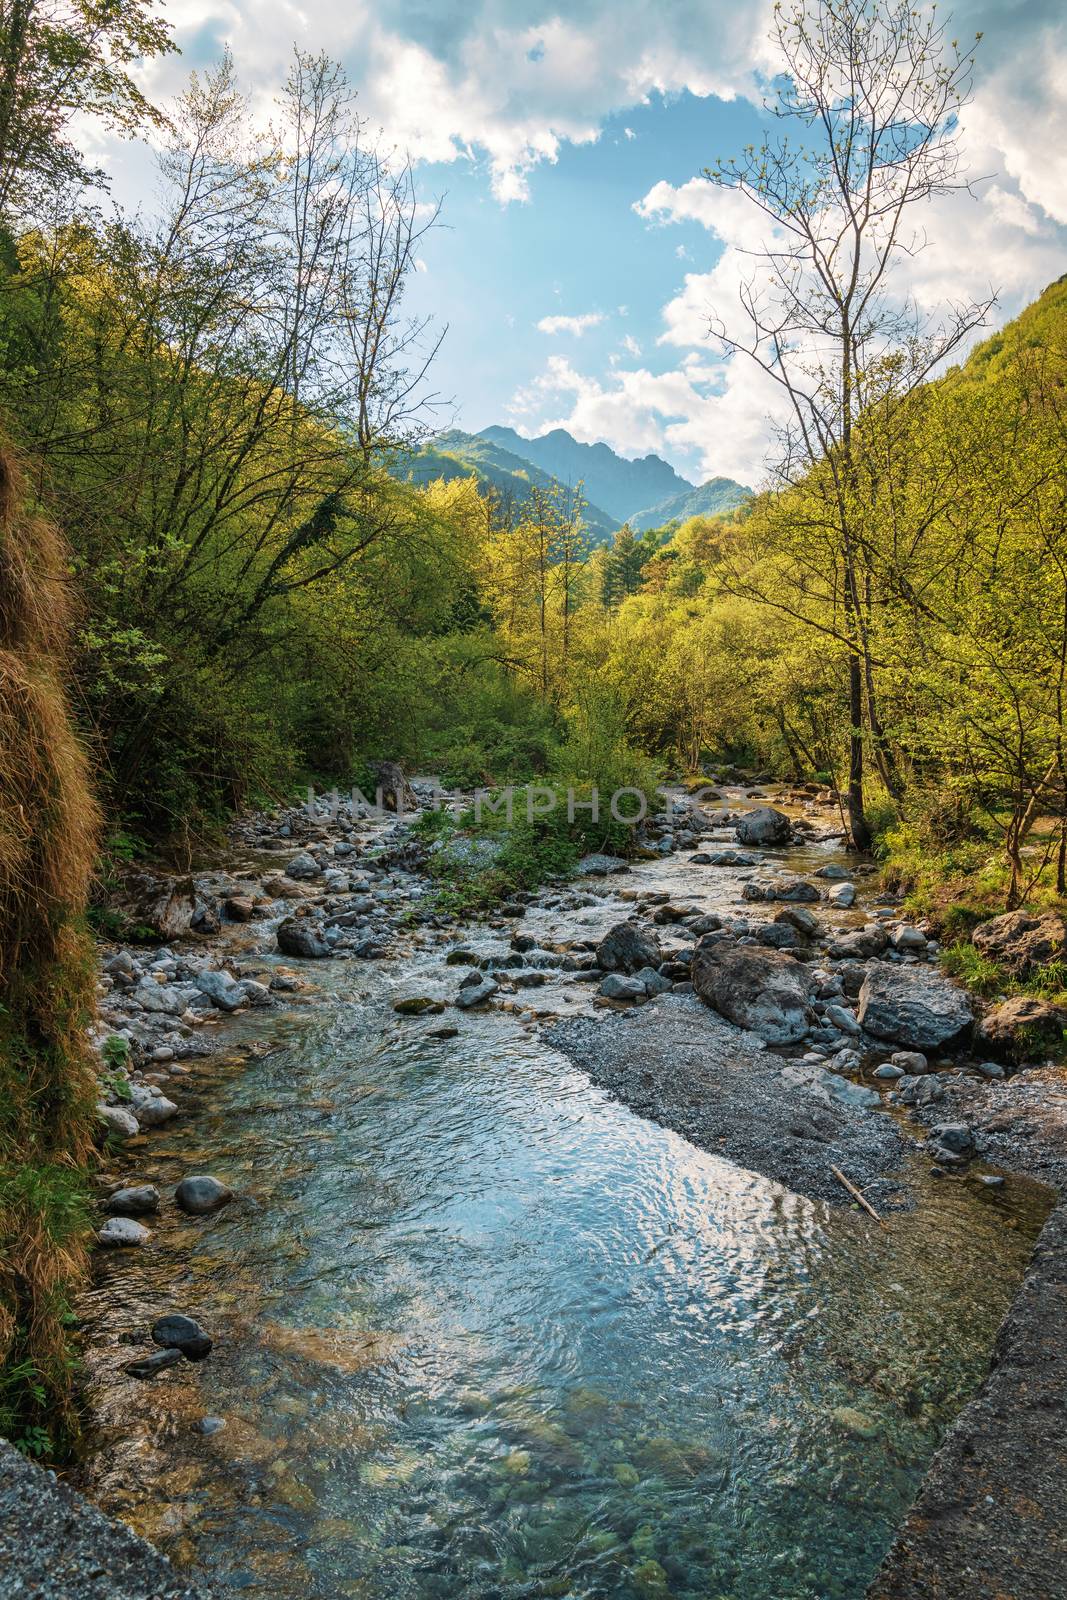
[(48, 838)]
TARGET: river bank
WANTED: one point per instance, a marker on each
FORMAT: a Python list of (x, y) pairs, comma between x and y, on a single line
[(789, 1114)]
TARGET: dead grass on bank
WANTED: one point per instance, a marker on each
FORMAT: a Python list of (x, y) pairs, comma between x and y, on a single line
[(48, 839)]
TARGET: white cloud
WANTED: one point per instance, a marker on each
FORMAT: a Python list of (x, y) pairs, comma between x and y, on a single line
[(630, 345), (710, 416), (575, 325)]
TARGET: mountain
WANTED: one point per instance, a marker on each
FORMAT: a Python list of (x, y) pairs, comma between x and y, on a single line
[(718, 494), (621, 487), (454, 454)]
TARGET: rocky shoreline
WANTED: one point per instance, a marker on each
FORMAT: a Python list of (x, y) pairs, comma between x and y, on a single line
[(762, 1031)]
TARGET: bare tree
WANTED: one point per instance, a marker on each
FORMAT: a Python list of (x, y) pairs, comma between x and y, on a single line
[(870, 96)]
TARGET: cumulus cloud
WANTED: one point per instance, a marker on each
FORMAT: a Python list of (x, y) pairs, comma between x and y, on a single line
[(710, 416), (576, 325)]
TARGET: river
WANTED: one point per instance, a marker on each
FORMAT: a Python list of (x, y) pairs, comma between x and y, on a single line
[(482, 1333)]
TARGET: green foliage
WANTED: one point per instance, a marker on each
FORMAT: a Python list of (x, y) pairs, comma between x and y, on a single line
[(975, 971)]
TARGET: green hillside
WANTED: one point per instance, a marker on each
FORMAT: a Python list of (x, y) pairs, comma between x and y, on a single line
[(711, 498)]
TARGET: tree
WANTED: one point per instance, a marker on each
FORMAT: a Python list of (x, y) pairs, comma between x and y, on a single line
[(62, 59), (876, 88)]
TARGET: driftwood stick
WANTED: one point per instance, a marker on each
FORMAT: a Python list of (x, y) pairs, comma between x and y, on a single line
[(859, 1198)]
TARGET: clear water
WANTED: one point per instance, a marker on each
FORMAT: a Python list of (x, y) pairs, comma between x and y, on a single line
[(483, 1334)]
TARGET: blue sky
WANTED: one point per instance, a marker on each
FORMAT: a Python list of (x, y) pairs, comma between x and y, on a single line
[(567, 143)]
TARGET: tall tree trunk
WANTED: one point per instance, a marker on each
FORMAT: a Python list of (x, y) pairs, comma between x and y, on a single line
[(857, 820)]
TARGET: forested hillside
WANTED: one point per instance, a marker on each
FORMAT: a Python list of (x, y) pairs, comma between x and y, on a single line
[(709, 500)]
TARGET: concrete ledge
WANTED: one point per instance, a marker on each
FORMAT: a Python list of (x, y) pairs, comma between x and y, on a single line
[(990, 1521), (55, 1545)]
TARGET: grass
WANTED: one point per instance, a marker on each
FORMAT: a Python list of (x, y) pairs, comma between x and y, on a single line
[(48, 842)]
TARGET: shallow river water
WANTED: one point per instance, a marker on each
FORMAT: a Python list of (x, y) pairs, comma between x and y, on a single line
[(482, 1332)]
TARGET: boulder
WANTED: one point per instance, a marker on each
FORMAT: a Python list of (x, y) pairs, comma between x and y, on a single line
[(302, 865), (913, 1006), (123, 1233), (138, 1200), (601, 866), (392, 789), (122, 1123), (297, 937), (163, 906), (177, 1332), (1020, 941), (858, 944), (732, 858), (200, 1194), (239, 908), (764, 826), (149, 1106), (627, 947), (1023, 1027), (475, 990), (220, 989), (763, 990), (617, 986), (842, 895)]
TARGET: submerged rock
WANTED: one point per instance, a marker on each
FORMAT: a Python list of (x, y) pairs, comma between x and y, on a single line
[(178, 1332), (147, 1367), (200, 1194), (601, 866)]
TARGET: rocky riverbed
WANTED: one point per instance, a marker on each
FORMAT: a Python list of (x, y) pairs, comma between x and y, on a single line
[(743, 985)]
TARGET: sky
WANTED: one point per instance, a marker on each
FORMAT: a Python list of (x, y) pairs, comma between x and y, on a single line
[(581, 254)]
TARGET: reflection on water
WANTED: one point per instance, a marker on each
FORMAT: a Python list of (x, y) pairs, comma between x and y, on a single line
[(483, 1333)]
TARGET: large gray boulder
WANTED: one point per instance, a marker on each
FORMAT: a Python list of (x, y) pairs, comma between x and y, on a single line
[(914, 1006), (763, 990), (1023, 1027), (1020, 941), (302, 939), (764, 826), (627, 947)]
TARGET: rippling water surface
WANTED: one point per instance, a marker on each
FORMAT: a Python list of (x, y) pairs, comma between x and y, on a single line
[(483, 1333)]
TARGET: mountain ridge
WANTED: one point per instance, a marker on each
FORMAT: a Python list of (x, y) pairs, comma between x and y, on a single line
[(619, 486)]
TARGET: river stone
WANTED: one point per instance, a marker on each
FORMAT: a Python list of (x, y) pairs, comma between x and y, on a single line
[(912, 1061), (617, 986), (475, 990), (122, 1123), (913, 1006), (763, 990), (239, 908), (842, 895), (656, 982), (889, 1072), (834, 872), (220, 989), (627, 947), (149, 1106), (199, 1194), (906, 938), (842, 1018), (302, 865), (147, 1367), (1020, 941), (1023, 1026), (955, 1137), (123, 1233), (178, 1332), (805, 922), (764, 826), (139, 1200), (733, 858), (298, 937), (256, 993), (601, 866), (858, 944)]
